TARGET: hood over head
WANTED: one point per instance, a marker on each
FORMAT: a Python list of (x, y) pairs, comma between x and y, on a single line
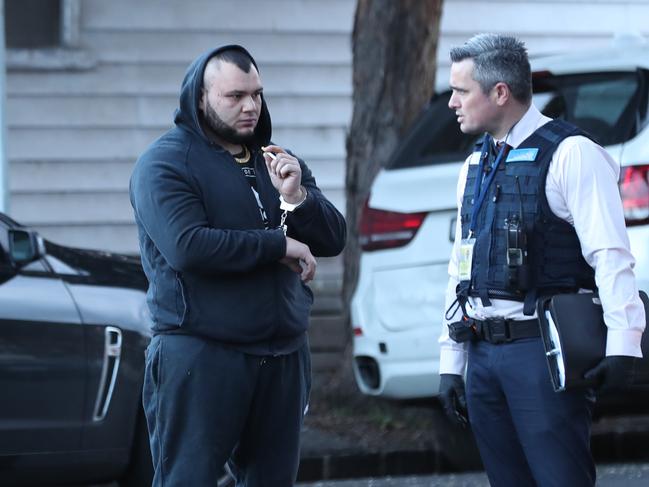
[(189, 115)]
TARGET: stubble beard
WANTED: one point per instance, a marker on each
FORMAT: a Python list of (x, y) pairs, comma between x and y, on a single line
[(224, 131)]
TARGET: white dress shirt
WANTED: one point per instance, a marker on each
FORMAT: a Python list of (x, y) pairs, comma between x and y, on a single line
[(581, 188)]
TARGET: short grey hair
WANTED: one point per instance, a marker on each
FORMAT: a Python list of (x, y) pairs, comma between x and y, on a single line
[(498, 58)]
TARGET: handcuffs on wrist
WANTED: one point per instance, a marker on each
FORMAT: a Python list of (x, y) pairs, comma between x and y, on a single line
[(289, 207)]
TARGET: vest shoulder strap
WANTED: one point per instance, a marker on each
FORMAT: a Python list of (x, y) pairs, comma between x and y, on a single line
[(549, 135), (552, 133)]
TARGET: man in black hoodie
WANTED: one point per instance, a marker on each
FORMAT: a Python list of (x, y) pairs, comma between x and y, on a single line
[(228, 234)]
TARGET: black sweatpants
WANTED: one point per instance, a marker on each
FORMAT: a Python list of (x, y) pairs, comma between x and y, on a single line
[(206, 404)]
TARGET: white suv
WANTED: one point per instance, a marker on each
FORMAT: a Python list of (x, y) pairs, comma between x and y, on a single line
[(408, 223)]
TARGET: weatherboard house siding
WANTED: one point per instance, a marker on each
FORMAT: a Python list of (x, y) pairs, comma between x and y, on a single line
[(75, 131)]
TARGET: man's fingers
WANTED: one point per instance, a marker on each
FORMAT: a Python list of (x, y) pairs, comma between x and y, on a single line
[(271, 164), (461, 411), (301, 253), (271, 156), (287, 167), (448, 408), (282, 165), (308, 269), (456, 412), (453, 399), (454, 415), (447, 404), (275, 156), (275, 149), (461, 418), (459, 396)]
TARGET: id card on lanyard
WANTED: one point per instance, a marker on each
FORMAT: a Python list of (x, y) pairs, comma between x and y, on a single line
[(466, 258)]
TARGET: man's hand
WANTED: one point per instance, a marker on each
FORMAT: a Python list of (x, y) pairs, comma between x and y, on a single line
[(299, 259), (453, 398), (285, 173), (612, 373)]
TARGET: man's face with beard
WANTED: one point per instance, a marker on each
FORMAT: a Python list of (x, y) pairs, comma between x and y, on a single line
[(231, 101)]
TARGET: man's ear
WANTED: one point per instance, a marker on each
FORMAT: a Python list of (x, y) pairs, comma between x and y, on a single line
[(201, 101), (502, 93)]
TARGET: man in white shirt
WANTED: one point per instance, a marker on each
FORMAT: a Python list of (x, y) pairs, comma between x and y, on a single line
[(537, 215)]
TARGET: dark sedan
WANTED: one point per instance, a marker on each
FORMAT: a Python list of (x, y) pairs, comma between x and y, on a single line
[(73, 330)]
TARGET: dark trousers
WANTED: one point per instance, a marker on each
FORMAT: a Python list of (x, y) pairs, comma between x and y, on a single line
[(206, 404), (527, 434)]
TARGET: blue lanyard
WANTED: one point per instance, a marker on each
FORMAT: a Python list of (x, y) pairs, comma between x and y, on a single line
[(481, 187)]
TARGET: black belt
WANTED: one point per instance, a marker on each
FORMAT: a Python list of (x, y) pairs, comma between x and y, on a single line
[(500, 330)]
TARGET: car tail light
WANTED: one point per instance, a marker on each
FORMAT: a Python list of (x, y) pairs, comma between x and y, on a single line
[(634, 189), (382, 229)]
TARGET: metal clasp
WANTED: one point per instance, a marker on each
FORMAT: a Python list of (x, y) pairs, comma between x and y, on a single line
[(282, 222)]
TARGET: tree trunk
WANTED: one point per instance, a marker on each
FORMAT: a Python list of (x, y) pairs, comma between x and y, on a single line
[(394, 48)]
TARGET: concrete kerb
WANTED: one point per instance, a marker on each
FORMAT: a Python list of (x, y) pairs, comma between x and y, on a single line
[(327, 458)]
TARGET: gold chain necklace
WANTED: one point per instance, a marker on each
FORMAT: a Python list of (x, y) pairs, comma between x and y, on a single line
[(245, 157)]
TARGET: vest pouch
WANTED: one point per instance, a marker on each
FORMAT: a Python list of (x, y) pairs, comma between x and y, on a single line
[(516, 271), (517, 278), (524, 278)]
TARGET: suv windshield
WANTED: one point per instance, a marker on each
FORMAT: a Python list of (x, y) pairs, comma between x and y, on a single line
[(611, 107)]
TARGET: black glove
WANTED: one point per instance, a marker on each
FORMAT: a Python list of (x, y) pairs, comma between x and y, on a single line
[(453, 398), (613, 372)]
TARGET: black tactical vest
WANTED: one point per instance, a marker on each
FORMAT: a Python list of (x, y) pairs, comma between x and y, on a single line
[(550, 258)]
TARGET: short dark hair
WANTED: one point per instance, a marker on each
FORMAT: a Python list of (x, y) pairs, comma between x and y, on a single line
[(498, 58), (232, 55), (235, 56)]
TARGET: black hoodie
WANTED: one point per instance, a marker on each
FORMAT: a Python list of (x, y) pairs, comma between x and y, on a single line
[(213, 269)]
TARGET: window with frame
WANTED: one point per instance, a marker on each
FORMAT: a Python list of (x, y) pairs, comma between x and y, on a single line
[(32, 24), (44, 34)]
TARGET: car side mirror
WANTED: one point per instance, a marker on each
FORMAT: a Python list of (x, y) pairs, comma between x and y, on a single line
[(25, 246)]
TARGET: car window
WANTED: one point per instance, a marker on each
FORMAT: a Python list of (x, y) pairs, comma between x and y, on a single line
[(434, 139), (605, 100), (611, 107)]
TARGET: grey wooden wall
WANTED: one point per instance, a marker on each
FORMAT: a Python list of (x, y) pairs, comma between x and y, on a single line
[(75, 133)]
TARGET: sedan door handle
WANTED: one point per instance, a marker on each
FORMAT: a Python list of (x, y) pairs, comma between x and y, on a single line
[(112, 355), (113, 341)]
